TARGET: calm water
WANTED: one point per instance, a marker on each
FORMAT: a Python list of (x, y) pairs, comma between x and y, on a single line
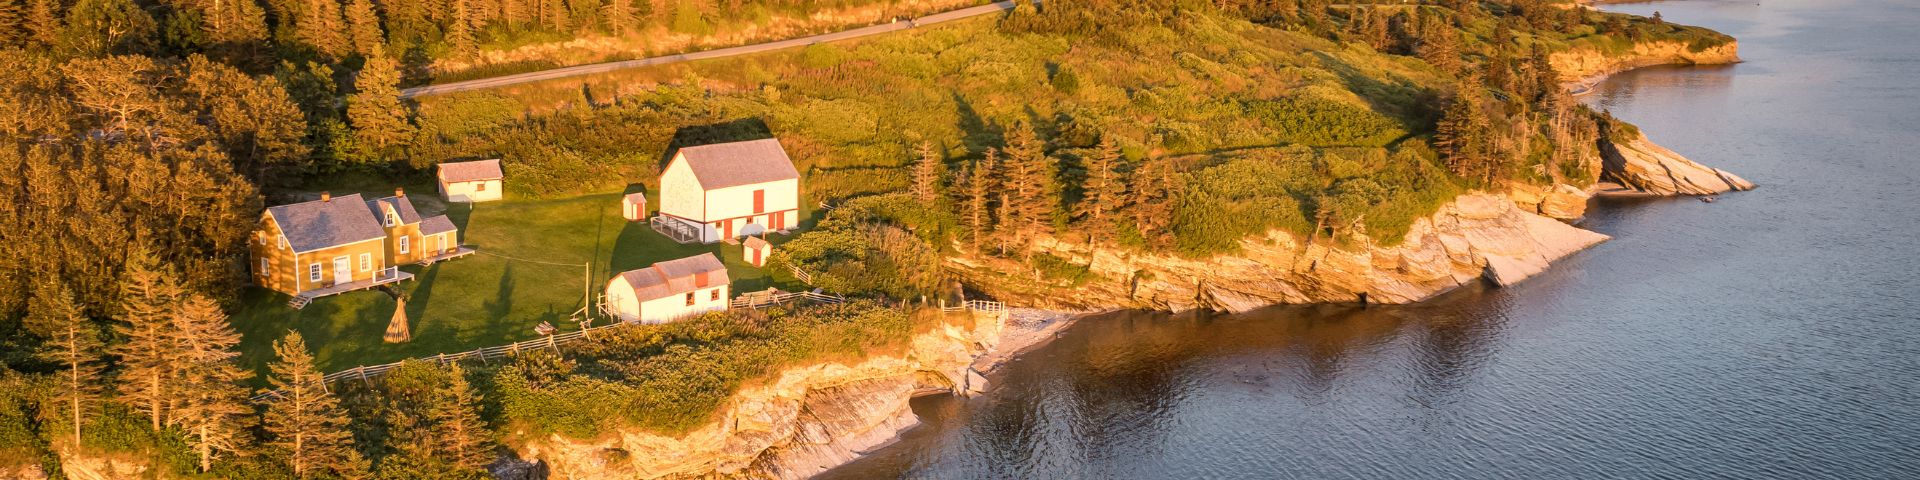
[(1772, 334)]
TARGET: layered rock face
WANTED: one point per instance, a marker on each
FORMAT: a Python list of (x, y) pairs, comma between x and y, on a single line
[(1649, 168), (796, 425), (1579, 65), (1476, 236)]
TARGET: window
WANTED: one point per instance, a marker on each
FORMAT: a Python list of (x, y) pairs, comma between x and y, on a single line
[(404, 243), (313, 271), (264, 268), (366, 262), (715, 296), (689, 299), (482, 186), (283, 242)]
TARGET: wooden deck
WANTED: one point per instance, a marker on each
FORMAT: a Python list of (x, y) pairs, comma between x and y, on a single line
[(456, 253), (382, 277)]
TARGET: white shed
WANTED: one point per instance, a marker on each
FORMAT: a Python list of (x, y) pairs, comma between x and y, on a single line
[(633, 207), (468, 182), (755, 250), (729, 190), (669, 290)]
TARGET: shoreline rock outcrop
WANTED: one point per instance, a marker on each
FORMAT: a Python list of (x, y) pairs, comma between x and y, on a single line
[(1589, 66), (1649, 168)]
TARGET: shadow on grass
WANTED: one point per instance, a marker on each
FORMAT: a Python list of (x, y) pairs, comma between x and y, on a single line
[(502, 303)]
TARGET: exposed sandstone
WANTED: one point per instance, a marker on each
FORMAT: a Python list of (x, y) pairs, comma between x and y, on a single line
[(1562, 201), (1647, 167), (1584, 65), (1476, 236)]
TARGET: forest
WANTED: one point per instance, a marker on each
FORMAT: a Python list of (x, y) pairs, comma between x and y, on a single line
[(145, 137)]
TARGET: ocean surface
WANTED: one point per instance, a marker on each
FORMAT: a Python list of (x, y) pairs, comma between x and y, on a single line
[(1771, 334)]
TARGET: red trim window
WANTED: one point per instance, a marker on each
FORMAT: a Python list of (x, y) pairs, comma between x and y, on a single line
[(689, 299), (716, 295)]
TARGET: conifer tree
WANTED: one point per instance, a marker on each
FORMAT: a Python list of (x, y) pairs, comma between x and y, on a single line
[(148, 299), (321, 25), (212, 407), (1157, 188), (13, 23), (460, 434), (980, 185), (364, 24), (927, 173), (1440, 46), (74, 347), (304, 420), (1104, 190), (618, 16), (234, 22), (1032, 189), (379, 119), (43, 21), (459, 37), (100, 27), (1462, 139)]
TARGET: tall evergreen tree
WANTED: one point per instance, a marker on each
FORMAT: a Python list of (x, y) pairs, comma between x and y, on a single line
[(13, 24), (460, 434), (101, 27), (304, 420), (212, 407), (322, 26), (928, 171), (1462, 138), (460, 41), (1032, 189), (1156, 190), (618, 16), (148, 299), (379, 119), (43, 21), (74, 347), (980, 186), (1440, 46), (1104, 191), (364, 25)]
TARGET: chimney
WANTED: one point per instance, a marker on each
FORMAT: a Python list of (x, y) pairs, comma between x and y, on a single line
[(326, 196), (399, 192)]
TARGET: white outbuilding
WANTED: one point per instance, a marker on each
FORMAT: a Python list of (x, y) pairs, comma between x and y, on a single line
[(714, 192), (468, 182), (669, 290)]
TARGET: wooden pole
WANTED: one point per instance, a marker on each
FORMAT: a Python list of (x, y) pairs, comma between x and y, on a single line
[(363, 375)]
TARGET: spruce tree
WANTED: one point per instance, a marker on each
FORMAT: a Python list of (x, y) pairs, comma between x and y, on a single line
[(980, 185), (379, 119), (13, 23), (321, 25), (618, 16), (212, 407), (1033, 191), (74, 347), (364, 25), (1462, 139), (304, 420), (1104, 190), (460, 41), (460, 434), (1157, 188), (1440, 47), (927, 173), (148, 299), (43, 21)]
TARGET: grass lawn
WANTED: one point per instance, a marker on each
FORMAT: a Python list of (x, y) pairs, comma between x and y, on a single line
[(491, 298)]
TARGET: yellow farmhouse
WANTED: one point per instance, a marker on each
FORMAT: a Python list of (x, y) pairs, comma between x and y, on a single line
[(336, 245), (669, 290), (714, 192)]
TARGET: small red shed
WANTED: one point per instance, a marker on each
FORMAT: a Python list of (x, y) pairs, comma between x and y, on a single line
[(634, 206), (756, 251)]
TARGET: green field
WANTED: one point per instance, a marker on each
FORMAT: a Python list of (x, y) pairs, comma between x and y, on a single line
[(484, 299)]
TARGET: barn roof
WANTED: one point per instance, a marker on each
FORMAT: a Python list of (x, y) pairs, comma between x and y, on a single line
[(675, 277), (320, 224), (436, 224), (471, 171), (723, 165), (407, 214)]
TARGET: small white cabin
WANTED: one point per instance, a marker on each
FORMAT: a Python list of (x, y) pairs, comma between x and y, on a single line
[(730, 190), (755, 250), (469, 182), (669, 290)]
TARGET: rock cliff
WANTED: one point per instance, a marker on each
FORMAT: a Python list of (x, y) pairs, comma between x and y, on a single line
[(1646, 167), (1585, 65), (800, 423), (1476, 236)]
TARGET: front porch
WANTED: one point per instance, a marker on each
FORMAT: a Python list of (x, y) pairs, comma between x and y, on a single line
[(448, 255), (382, 277)]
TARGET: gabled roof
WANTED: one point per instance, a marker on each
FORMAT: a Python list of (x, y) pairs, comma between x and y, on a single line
[(723, 165), (436, 224), (756, 243), (320, 224), (471, 171), (675, 277), (408, 215)]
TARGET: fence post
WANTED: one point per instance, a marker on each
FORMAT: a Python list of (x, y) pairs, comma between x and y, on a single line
[(516, 348), (551, 344), (362, 370)]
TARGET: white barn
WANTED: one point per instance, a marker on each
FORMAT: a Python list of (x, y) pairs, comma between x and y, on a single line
[(729, 190), (669, 290), (468, 182)]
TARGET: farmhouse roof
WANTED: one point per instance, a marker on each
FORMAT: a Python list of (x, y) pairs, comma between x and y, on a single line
[(471, 171), (320, 224), (723, 165), (674, 277), (436, 224), (408, 215)]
